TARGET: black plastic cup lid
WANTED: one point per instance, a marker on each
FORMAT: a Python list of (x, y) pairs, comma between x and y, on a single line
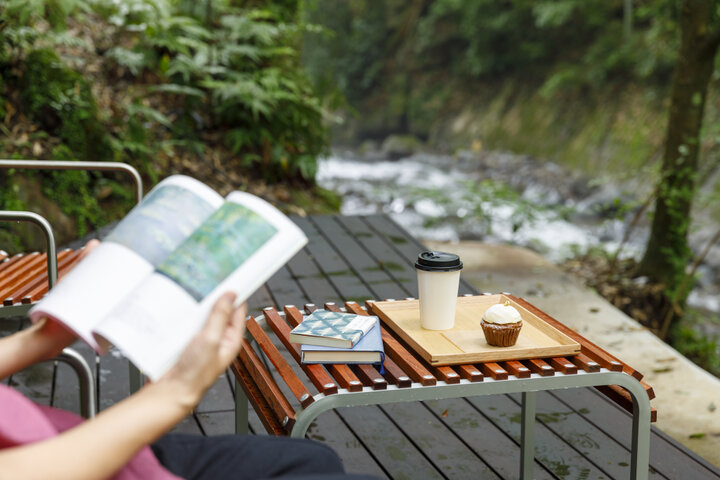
[(433, 261)]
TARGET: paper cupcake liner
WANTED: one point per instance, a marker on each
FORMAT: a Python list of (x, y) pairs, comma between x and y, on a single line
[(501, 335)]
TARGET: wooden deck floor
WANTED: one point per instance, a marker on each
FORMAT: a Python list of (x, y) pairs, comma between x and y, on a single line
[(580, 434)]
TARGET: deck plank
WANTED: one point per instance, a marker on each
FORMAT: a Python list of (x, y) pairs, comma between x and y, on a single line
[(552, 451), (358, 260), (500, 452), (383, 254), (666, 455), (442, 446), (393, 450), (113, 379), (586, 438)]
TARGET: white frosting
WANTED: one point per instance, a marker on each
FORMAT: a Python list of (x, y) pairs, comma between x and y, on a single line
[(502, 314)]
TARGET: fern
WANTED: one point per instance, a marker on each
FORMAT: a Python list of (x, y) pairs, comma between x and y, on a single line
[(132, 60)]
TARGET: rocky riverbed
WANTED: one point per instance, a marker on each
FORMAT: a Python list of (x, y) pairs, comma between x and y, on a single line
[(500, 197)]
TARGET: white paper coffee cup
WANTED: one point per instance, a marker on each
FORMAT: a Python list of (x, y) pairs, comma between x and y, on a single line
[(438, 281)]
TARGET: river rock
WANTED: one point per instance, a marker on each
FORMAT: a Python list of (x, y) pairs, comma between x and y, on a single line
[(400, 146)]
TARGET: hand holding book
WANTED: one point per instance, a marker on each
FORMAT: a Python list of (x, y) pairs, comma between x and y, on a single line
[(150, 285)]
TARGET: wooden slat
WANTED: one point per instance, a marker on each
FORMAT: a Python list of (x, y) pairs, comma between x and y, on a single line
[(38, 280), (316, 373), (494, 370), (407, 361), (562, 364), (540, 367), (370, 377), (469, 372), (21, 274), (446, 374), (9, 262), (395, 374), (623, 398), (8, 266), (258, 402), (648, 389), (265, 383), (516, 368), (603, 358), (583, 361), (282, 367)]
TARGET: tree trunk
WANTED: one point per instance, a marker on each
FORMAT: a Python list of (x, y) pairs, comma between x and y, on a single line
[(667, 253)]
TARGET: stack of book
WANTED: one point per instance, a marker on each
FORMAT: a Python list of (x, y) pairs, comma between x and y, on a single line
[(335, 337)]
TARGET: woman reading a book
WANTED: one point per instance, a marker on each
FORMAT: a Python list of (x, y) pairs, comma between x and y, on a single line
[(126, 440)]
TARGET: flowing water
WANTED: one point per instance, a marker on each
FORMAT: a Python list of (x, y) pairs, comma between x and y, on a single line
[(498, 197)]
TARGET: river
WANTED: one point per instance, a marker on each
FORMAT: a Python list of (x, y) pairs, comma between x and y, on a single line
[(500, 197)]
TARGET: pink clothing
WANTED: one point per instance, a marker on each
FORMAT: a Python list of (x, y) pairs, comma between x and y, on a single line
[(23, 421)]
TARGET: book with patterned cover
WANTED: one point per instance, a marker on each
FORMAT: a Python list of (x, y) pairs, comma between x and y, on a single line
[(369, 349), (332, 329)]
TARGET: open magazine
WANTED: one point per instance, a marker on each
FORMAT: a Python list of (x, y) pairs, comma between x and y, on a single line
[(149, 286)]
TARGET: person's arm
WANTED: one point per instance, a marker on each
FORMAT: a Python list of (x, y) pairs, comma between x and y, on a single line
[(101, 446), (41, 341)]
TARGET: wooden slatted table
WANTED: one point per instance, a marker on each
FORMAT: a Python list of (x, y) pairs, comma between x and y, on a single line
[(407, 377)]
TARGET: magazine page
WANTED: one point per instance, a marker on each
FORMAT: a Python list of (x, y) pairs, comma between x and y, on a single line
[(139, 243), (237, 249)]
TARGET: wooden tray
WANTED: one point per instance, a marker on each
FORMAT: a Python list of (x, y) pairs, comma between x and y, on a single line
[(465, 343)]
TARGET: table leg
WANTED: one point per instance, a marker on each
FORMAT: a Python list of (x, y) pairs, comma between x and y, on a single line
[(640, 455), (527, 435), (241, 410)]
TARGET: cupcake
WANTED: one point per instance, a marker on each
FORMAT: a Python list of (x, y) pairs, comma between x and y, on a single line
[(501, 325)]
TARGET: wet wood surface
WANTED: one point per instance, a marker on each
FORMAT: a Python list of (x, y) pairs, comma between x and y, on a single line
[(580, 432)]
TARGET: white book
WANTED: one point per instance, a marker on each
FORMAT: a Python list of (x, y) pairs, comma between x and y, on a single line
[(149, 286)]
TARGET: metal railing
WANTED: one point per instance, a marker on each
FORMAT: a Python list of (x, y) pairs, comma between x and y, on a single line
[(73, 165)]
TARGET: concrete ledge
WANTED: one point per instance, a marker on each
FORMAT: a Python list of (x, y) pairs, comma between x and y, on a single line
[(688, 397)]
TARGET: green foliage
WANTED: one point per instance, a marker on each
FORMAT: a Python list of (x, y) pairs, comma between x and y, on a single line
[(61, 101), (382, 52), (206, 75), (55, 98), (238, 69), (702, 349)]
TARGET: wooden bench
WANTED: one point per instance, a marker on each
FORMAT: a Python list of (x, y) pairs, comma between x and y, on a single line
[(24, 278)]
